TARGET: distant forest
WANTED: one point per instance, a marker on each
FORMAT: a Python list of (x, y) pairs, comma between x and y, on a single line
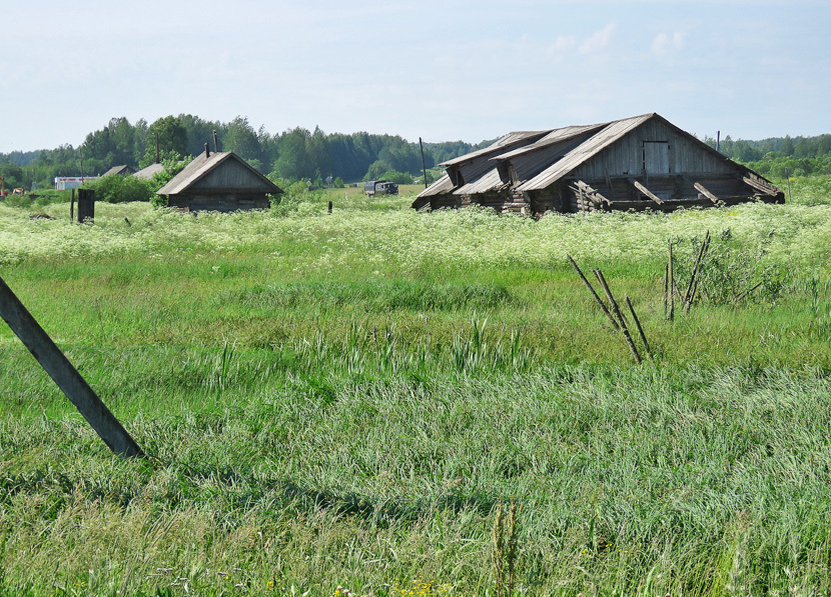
[(778, 157), (296, 154), (321, 158)]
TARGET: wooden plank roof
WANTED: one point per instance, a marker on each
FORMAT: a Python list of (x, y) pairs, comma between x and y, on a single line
[(499, 146), (202, 165), (554, 137), (148, 172), (477, 164), (489, 181), (539, 158), (123, 169), (586, 150)]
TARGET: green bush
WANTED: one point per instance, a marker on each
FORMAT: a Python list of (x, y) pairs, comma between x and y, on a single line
[(397, 177), (121, 189), (17, 200)]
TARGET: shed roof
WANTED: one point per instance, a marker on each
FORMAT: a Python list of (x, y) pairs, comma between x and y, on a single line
[(499, 146), (123, 169), (149, 172), (202, 165)]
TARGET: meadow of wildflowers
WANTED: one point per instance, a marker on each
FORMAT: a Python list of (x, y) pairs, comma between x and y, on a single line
[(338, 404)]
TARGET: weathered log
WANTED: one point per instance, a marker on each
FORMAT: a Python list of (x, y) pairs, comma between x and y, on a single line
[(703, 190), (646, 192)]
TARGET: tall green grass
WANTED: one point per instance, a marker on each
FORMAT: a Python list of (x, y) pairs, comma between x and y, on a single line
[(345, 399), (690, 480)]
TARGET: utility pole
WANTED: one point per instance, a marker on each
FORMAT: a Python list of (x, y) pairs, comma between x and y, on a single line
[(423, 163)]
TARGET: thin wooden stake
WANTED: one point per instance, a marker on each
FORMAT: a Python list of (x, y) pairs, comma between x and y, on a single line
[(746, 292), (619, 316), (640, 329), (666, 290), (688, 296), (65, 375), (596, 296), (672, 287)]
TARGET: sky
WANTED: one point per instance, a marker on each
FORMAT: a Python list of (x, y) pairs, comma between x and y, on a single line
[(442, 70)]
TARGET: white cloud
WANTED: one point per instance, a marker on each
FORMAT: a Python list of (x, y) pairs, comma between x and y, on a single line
[(598, 41), (665, 42), (557, 50)]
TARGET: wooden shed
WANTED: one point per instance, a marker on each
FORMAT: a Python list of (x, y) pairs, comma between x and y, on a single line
[(221, 181), (644, 162), (123, 170)]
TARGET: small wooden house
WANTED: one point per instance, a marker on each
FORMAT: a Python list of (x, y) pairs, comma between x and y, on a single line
[(220, 181), (123, 170), (644, 162)]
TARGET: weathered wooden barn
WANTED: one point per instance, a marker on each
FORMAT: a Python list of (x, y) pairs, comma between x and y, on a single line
[(220, 181), (644, 162)]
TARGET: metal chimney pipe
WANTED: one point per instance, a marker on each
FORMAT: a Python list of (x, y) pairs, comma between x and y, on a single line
[(207, 151)]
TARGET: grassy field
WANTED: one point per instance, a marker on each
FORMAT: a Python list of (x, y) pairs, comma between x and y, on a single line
[(351, 399)]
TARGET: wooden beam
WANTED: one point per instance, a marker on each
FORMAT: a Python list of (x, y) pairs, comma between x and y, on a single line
[(760, 186), (646, 191), (65, 375), (702, 189), (593, 194)]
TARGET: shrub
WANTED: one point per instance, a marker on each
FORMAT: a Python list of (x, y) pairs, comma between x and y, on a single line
[(397, 177), (120, 189)]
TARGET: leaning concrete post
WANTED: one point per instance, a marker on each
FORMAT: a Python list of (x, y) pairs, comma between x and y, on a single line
[(65, 375)]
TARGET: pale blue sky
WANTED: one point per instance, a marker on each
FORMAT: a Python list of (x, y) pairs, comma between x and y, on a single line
[(443, 70)]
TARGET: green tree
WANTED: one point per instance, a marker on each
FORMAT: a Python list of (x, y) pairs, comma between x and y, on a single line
[(377, 169), (293, 162), (13, 175), (241, 139), (787, 146), (200, 132), (172, 139)]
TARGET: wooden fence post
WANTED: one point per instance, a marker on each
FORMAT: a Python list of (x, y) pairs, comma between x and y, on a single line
[(64, 374)]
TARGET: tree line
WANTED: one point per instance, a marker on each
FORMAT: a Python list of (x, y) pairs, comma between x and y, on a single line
[(779, 157), (315, 156), (295, 154)]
